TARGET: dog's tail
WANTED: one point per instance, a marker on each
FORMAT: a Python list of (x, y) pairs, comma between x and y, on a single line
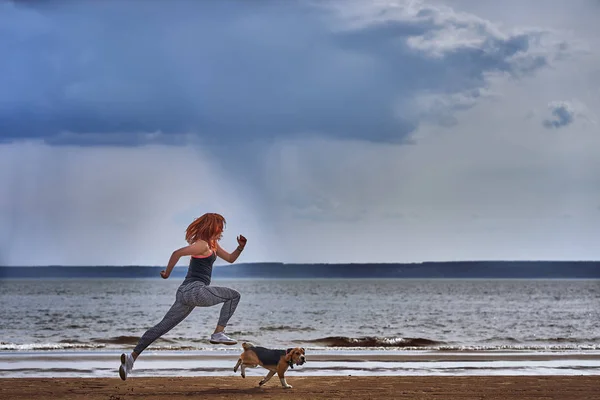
[(247, 345)]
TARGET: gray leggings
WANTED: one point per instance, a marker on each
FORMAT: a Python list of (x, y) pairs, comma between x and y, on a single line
[(189, 296)]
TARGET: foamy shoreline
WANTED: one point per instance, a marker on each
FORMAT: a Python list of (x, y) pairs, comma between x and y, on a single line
[(321, 363)]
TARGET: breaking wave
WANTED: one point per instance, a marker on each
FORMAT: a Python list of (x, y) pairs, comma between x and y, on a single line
[(286, 328), (372, 341), (510, 344), (48, 346)]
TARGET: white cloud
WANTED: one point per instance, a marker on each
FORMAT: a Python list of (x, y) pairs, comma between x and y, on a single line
[(443, 108)]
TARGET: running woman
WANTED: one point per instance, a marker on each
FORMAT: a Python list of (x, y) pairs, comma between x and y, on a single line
[(203, 236)]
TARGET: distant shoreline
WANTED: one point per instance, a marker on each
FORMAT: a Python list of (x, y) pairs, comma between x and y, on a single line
[(275, 270)]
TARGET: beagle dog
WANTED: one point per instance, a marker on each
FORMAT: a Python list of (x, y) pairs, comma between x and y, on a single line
[(276, 361)]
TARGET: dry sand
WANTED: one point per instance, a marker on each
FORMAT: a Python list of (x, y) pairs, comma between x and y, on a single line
[(307, 388)]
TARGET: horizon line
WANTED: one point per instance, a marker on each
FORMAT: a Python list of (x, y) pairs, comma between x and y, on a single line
[(306, 263)]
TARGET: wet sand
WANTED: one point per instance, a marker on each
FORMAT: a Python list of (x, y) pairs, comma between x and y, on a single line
[(306, 388)]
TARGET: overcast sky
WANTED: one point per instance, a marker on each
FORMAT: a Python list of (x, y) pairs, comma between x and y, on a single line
[(392, 131)]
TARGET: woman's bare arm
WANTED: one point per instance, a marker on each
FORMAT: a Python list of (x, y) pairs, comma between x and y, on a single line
[(231, 257), (200, 247)]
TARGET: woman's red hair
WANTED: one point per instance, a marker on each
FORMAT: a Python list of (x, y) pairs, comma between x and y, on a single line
[(206, 228)]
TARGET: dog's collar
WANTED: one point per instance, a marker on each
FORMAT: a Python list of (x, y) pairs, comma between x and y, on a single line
[(291, 364)]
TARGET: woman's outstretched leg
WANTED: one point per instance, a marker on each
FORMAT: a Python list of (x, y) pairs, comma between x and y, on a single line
[(177, 313)]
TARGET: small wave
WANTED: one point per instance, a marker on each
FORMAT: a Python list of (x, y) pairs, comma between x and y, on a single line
[(12, 371), (117, 340), (48, 346), (501, 339), (567, 340), (176, 348), (130, 340), (286, 328), (579, 347), (372, 341)]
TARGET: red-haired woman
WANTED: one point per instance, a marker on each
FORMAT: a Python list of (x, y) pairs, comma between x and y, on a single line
[(203, 236)]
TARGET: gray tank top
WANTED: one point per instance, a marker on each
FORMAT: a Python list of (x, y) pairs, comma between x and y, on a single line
[(200, 269)]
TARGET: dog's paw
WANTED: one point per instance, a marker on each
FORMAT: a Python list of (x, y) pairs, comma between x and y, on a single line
[(261, 383), (243, 375), (288, 387)]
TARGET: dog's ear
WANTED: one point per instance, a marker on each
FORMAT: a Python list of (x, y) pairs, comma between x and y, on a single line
[(288, 355), (304, 351)]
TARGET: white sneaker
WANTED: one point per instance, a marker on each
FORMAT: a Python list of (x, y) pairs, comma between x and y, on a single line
[(126, 365), (222, 338)]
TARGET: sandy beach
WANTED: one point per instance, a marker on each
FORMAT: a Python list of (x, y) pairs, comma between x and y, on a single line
[(309, 388)]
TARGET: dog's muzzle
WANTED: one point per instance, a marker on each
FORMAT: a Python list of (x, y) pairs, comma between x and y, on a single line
[(301, 361)]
